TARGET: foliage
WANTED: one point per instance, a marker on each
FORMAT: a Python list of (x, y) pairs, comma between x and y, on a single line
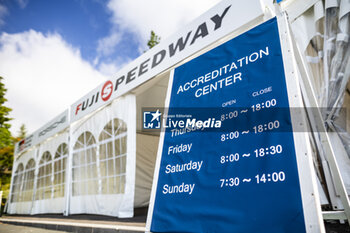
[(6, 158), (6, 162), (22, 131), (6, 142), (5, 135), (154, 40)]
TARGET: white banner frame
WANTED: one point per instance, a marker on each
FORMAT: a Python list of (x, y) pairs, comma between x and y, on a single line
[(307, 176)]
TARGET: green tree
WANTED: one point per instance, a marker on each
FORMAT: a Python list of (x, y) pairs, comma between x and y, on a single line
[(6, 158), (5, 135), (22, 131), (6, 143), (6, 162), (154, 40)]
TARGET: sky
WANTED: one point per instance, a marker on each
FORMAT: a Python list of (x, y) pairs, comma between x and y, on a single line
[(53, 52)]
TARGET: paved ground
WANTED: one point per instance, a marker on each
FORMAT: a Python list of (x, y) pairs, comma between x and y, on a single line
[(96, 224), (78, 224), (7, 228)]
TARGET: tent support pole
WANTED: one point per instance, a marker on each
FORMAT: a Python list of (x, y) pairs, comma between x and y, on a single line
[(68, 183), (325, 138)]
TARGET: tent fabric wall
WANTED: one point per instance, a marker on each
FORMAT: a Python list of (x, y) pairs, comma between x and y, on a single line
[(146, 153), (52, 158), (103, 151), (21, 195), (88, 168), (322, 33), (17, 183)]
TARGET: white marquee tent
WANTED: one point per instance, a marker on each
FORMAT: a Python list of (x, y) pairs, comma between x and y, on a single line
[(94, 158)]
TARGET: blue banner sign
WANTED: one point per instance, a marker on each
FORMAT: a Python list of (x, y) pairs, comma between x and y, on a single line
[(243, 178)]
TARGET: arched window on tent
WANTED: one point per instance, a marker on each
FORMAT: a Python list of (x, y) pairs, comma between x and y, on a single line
[(85, 178), (113, 156), (28, 181), (44, 181), (17, 183), (60, 162)]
